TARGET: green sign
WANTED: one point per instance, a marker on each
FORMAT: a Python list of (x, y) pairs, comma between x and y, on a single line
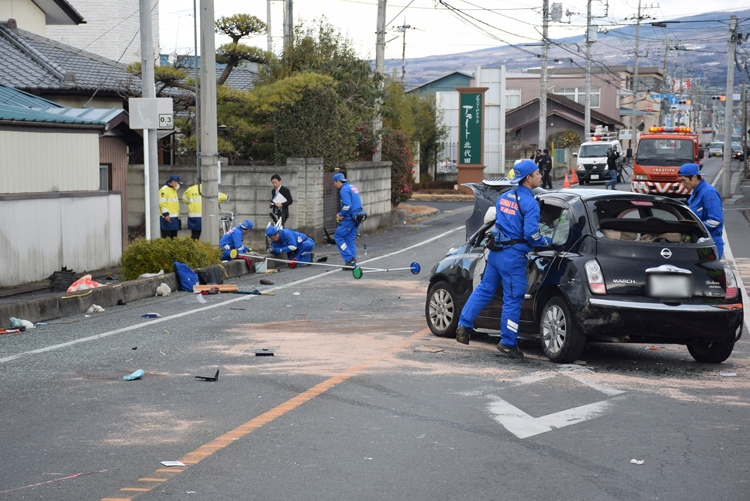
[(470, 129)]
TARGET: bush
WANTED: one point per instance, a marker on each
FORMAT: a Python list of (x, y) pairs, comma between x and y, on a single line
[(150, 256), (396, 150), (564, 139)]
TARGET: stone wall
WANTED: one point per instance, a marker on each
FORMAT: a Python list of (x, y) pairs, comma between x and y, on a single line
[(373, 180)]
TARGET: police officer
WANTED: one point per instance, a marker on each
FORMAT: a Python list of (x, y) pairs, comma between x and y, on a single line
[(192, 198), (516, 230), (169, 206), (705, 201), (349, 218), (297, 246), (232, 240)]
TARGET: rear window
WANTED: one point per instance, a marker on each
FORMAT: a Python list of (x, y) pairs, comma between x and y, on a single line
[(717, 145), (645, 221)]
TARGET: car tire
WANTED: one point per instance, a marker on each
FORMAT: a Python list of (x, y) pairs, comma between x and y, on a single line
[(560, 338), (441, 310), (711, 353)]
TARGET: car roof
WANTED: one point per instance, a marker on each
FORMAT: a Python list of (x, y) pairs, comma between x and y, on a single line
[(589, 194)]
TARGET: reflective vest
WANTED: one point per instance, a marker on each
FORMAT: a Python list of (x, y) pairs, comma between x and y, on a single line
[(169, 204), (193, 200)]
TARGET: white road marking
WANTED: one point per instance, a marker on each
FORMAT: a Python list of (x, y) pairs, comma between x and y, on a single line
[(204, 308)]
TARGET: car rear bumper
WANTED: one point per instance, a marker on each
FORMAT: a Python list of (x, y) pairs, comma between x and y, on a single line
[(628, 319)]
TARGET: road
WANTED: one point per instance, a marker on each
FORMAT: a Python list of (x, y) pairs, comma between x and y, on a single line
[(359, 401)]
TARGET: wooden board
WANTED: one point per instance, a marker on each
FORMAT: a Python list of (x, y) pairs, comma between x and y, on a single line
[(222, 287)]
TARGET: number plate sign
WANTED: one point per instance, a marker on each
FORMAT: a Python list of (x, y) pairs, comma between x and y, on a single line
[(669, 282), (594, 176)]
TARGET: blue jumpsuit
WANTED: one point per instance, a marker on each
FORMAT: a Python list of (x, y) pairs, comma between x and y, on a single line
[(518, 219), (296, 245), (705, 201), (232, 240), (351, 207)]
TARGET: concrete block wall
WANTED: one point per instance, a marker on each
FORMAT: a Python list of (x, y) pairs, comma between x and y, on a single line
[(308, 196), (373, 180)]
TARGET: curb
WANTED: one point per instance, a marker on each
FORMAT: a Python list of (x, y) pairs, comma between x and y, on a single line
[(66, 304)]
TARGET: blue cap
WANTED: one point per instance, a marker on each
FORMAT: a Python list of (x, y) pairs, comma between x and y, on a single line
[(523, 169), (688, 170), (174, 178), (339, 177), (271, 231), (247, 225)]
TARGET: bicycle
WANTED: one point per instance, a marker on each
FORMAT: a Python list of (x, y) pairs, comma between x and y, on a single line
[(225, 222)]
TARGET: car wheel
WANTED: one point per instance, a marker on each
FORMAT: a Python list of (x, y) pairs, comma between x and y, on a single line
[(441, 311), (711, 353), (561, 340)]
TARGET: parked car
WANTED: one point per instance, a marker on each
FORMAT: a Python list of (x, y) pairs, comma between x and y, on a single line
[(716, 148), (737, 151), (622, 267)]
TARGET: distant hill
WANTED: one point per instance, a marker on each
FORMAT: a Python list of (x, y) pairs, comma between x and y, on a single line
[(702, 47)]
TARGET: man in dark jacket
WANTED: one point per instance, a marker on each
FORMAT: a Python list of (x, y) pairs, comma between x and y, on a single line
[(545, 166), (281, 199)]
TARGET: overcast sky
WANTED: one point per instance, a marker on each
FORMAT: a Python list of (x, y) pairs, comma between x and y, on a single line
[(435, 29)]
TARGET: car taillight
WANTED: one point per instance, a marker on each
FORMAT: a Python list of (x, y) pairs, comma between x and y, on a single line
[(732, 290), (595, 277)]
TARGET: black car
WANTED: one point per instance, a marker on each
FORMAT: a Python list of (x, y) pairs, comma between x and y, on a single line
[(622, 267)]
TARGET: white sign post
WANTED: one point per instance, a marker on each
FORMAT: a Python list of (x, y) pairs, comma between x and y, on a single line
[(150, 114)]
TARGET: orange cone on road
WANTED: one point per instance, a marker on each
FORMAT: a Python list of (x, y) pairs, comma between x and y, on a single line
[(574, 178), (566, 183)]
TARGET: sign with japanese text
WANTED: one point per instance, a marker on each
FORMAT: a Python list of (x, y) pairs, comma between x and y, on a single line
[(470, 128)]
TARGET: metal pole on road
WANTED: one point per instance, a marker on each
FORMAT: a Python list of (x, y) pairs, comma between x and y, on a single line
[(726, 167), (209, 159), (148, 90)]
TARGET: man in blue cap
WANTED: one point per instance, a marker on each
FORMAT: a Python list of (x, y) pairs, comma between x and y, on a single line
[(169, 206), (349, 218), (516, 230), (232, 240), (297, 246), (705, 201)]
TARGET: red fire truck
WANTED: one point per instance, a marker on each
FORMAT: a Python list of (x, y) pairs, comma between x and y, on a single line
[(659, 156)]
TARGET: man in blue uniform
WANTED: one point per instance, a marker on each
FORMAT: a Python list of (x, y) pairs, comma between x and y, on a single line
[(516, 230), (232, 240), (349, 218), (705, 201), (297, 246)]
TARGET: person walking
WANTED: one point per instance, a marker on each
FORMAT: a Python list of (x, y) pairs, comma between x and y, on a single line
[(169, 206), (281, 199), (349, 218), (545, 166), (705, 201), (232, 240), (297, 246), (612, 157), (515, 232), (192, 198)]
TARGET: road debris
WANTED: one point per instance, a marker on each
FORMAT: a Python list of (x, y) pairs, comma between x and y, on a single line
[(428, 349), (200, 298), (173, 463), (265, 352), (163, 290), (150, 315), (136, 375), (215, 377), (263, 281), (295, 293), (94, 308), (149, 275), (17, 323), (727, 374), (637, 461)]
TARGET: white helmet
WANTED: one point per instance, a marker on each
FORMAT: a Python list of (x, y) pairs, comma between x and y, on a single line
[(490, 215)]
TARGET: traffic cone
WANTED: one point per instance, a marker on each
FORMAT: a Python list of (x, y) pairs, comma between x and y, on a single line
[(574, 178), (566, 184)]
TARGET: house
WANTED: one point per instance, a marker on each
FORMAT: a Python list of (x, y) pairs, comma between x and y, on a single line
[(36, 16), (53, 211), (446, 83)]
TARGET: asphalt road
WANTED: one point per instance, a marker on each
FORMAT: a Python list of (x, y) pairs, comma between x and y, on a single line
[(359, 401)]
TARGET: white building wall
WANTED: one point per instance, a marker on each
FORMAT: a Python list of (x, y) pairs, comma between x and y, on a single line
[(37, 162), (448, 102), (494, 119), (28, 16), (111, 29)]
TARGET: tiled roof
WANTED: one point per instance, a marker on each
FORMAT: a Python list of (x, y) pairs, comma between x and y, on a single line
[(16, 115), (15, 97), (240, 78)]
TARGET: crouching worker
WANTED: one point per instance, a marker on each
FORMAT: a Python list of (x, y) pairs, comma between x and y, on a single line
[(297, 246), (232, 240)]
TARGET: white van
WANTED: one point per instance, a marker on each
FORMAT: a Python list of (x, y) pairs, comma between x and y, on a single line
[(592, 159)]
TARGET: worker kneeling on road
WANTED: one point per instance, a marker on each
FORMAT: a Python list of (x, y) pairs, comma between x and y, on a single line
[(232, 240), (516, 230), (297, 246)]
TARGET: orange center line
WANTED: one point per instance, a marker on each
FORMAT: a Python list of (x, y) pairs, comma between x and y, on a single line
[(206, 450)]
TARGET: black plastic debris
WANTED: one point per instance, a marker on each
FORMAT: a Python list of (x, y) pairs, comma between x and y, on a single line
[(265, 352), (215, 377), (61, 280)]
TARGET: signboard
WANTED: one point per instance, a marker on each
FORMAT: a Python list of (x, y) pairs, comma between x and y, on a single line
[(649, 107), (470, 128), (625, 134), (662, 96), (673, 100), (151, 113)]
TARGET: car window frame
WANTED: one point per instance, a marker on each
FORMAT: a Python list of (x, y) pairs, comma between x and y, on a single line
[(565, 206)]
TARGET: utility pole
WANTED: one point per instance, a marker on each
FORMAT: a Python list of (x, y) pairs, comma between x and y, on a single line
[(633, 137), (209, 149), (587, 112), (288, 25), (744, 130), (150, 157), (726, 164), (402, 29), (269, 38), (377, 125), (543, 87), (662, 113)]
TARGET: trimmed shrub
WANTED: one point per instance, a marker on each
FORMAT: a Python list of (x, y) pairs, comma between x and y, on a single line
[(150, 256)]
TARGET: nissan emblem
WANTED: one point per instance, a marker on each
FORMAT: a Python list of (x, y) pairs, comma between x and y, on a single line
[(666, 253)]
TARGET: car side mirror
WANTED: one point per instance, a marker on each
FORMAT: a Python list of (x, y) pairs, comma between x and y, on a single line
[(629, 153), (701, 154)]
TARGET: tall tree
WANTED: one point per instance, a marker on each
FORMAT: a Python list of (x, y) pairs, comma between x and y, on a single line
[(232, 54)]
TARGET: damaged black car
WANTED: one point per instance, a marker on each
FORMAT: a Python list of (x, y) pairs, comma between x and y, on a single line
[(622, 267)]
